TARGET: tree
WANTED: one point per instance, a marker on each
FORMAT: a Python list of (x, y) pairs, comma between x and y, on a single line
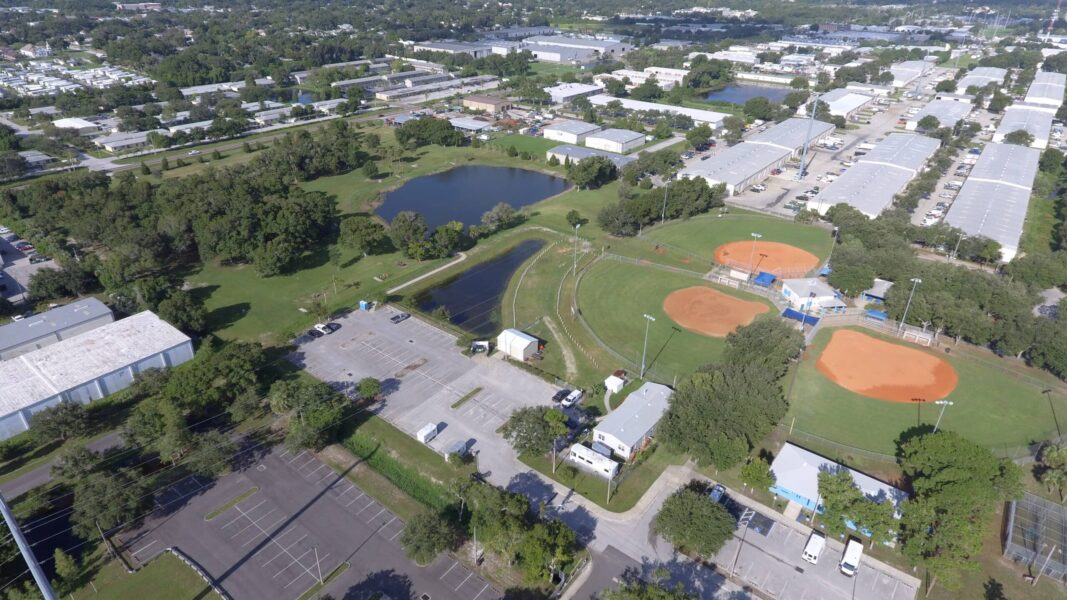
[(947, 85), (63, 421), (734, 128), (546, 549), (1053, 469), (957, 486), (533, 429), (691, 522), (67, 571), (698, 135), (210, 455), (1019, 137), (757, 474), (107, 499), (371, 141), (501, 216), (370, 170), (795, 99), (425, 536), (315, 412), (760, 108), (74, 463), (592, 172), (574, 218), (407, 228), (928, 123), (365, 235), (369, 388), (799, 83), (184, 311), (144, 169), (12, 165), (641, 590)]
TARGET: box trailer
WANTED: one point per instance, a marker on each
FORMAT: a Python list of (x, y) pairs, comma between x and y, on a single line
[(427, 433)]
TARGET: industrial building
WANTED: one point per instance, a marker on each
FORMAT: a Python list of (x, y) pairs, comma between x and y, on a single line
[(469, 126), (568, 92), (1033, 119), (573, 154), (126, 141), (374, 83), (474, 50), (78, 124), (664, 77), (230, 86), (488, 104), (980, 77), (86, 367), (699, 116), (32, 333), (619, 141), (870, 185), (36, 159), (569, 132), (478, 82), (1047, 89), (905, 73), (995, 197), (752, 161), (871, 89), (738, 55), (630, 426), (947, 112), (845, 103), (796, 478), (602, 48)]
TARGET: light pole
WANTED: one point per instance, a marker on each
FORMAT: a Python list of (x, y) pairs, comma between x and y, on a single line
[(576, 226), (752, 254), (1048, 394), (943, 404), (956, 251), (836, 233), (648, 321), (666, 185), (915, 281)]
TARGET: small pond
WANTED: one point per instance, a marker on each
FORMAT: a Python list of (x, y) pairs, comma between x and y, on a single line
[(465, 193), (472, 298), (738, 93)]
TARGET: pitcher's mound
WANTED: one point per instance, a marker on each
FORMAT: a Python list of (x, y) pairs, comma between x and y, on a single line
[(781, 259), (709, 312), (871, 367)]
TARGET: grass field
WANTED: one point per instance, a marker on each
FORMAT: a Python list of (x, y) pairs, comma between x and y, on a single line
[(997, 404), (700, 236), (164, 573), (537, 146), (614, 295)]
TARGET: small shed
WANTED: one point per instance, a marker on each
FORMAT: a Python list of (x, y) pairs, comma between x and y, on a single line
[(878, 291), (614, 384), (516, 344)]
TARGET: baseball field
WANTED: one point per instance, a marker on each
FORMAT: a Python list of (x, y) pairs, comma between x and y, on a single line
[(864, 392)]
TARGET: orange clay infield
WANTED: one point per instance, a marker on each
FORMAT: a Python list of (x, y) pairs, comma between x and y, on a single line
[(780, 259), (883, 370), (708, 312)]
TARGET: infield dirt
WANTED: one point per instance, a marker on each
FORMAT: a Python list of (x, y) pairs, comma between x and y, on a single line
[(773, 257), (710, 312)]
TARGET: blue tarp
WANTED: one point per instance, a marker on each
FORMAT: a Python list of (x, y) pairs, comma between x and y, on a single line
[(799, 316), (823, 272), (764, 279), (878, 314)]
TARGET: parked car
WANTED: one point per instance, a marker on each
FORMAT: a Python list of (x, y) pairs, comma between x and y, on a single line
[(759, 187), (332, 326), (194, 152), (315, 333), (560, 395), (573, 398), (4, 230), (326, 328), (400, 318), (39, 258), (717, 493), (776, 171)]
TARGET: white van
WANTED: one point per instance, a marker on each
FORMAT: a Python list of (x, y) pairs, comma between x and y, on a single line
[(427, 433), (850, 562), (814, 547)]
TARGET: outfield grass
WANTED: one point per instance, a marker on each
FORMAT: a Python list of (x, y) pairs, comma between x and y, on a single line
[(997, 404), (614, 295), (164, 573)]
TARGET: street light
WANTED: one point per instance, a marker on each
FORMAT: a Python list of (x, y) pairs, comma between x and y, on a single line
[(648, 321), (956, 252), (915, 281), (943, 404), (752, 254), (666, 184), (576, 226)]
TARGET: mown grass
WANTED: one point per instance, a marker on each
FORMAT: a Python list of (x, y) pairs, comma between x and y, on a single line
[(166, 572), (245, 495)]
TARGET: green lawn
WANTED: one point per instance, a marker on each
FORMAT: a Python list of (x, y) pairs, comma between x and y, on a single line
[(1040, 224), (543, 68), (164, 573), (537, 146), (997, 404), (614, 295)]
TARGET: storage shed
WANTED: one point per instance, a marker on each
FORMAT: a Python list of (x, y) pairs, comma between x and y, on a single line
[(516, 344)]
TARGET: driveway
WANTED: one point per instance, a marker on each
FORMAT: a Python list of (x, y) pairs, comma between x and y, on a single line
[(303, 520)]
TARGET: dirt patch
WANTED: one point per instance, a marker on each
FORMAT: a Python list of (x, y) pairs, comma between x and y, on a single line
[(886, 371), (709, 312), (773, 257), (659, 250)]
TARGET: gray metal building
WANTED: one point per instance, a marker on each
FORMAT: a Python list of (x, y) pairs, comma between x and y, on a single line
[(38, 331), (574, 154), (1033, 119), (86, 367), (981, 77), (995, 197), (1047, 88), (947, 112)]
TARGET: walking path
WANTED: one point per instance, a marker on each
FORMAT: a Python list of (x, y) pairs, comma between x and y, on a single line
[(460, 257), (568, 357)]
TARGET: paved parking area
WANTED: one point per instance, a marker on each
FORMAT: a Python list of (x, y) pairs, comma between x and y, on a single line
[(423, 375), (304, 518), (17, 269)]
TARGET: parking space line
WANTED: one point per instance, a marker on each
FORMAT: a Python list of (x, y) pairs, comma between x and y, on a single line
[(269, 538), (251, 522), (275, 524), (481, 592), (372, 503), (356, 498), (376, 515), (143, 548), (239, 517), (276, 541), (321, 467), (302, 452), (449, 570), (464, 581), (293, 562), (396, 534)]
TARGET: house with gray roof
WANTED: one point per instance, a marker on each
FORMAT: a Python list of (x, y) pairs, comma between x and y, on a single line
[(630, 426)]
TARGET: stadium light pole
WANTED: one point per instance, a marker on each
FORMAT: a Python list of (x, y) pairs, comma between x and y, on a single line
[(752, 254), (648, 321), (575, 273), (666, 186), (43, 584), (943, 404), (915, 281)]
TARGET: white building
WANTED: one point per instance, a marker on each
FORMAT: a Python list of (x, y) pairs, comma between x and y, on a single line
[(796, 473), (980, 77), (905, 73), (1047, 89), (619, 141), (699, 116), (604, 48), (516, 344), (746, 56), (47, 328), (591, 460), (567, 92), (1033, 119), (630, 426), (665, 78), (474, 50), (570, 154), (126, 141), (86, 367), (810, 295), (845, 103), (569, 132), (78, 124), (947, 112)]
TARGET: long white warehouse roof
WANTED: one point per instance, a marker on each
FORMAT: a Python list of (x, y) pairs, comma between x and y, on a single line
[(994, 198), (981, 77), (700, 116), (1036, 121), (67, 364), (947, 112), (1047, 88)]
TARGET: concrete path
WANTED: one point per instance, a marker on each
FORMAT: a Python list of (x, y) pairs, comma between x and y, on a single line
[(661, 145), (460, 257)]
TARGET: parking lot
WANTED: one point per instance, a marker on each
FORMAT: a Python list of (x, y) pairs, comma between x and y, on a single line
[(17, 268), (304, 520), (423, 374)]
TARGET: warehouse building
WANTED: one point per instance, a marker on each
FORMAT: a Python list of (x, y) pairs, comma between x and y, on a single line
[(619, 141), (36, 159), (947, 112), (1047, 89), (562, 55), (602, 48), (905, 73), (127, 141), (980, 77), (569, 132), (32, 333), (78, 124), (479, 82), (700, 117), (487, 104), (796, 478), (871, 89), (573, 154), (474, 50), (995, 197), (1033, 119), (870, 185), (845, 103), (665, 78), (86, 367), (752, 161), (373, 83), (568, 92)]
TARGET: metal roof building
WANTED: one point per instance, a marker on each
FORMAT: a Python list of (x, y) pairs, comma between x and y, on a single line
[(844, 102), (627, 428), (995, 197), (709, 117), (576, 153), (49, 327), (1047, 88), (797, 471), (870, 185), (1035, 120), (947, 113), (981, 77), (908, 71), (86, 367)]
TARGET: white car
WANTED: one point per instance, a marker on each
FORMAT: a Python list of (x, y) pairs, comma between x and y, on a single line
[(194, 152), (572, 398), (759, 187)]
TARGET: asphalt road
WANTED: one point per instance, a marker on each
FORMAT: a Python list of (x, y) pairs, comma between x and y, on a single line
[(43, 474)]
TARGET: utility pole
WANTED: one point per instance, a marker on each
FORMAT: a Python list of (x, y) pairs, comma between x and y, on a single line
[(27, 552), (752, 254), (915, 281), (648, 321), (807, 139), (956, 251)]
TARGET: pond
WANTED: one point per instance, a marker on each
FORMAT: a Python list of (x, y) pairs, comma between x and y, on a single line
[(738, 93), (473, 297), (465, 193)]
